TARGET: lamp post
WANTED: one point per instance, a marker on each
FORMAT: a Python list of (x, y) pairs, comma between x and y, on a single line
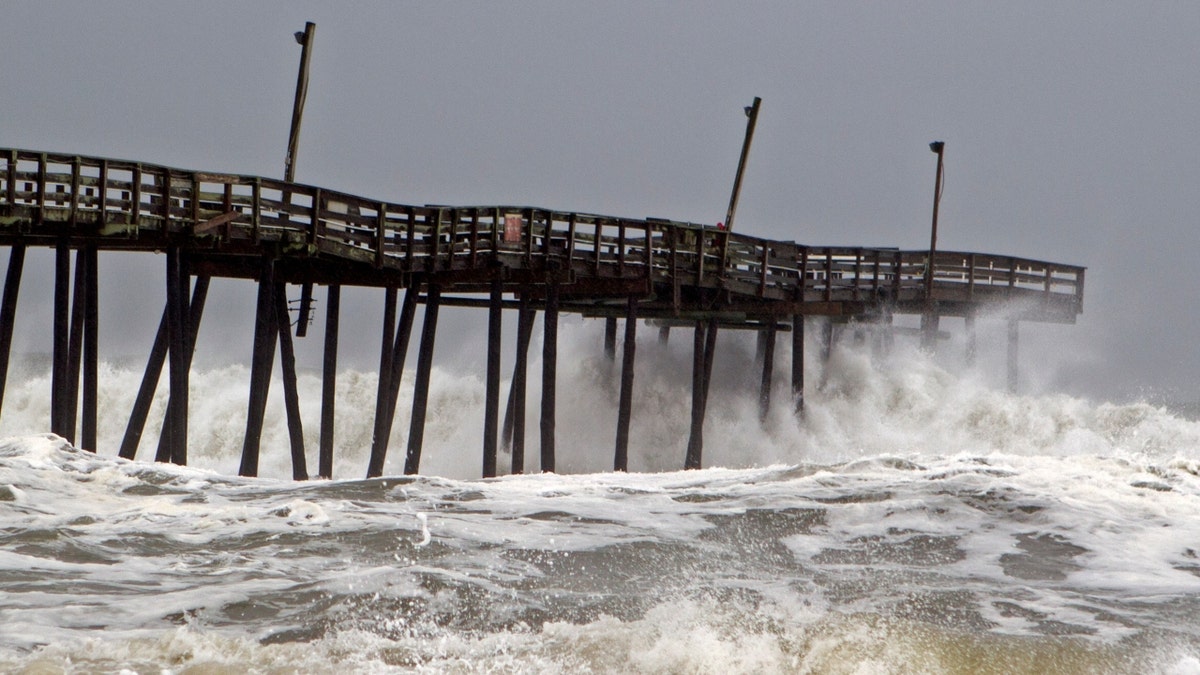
[(929, 319), (305, 39)]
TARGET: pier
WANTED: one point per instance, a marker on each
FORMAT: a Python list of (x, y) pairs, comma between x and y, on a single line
[(666, 274)]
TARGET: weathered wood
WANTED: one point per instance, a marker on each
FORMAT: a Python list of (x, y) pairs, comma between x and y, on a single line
[(416, 433), (60, 387), (972, 343), (491, 414), (610, 338), (798, 363), (549, 376), (514, 417), (768, 368), (177, 402), (195, 312), (1014, 348), (333, 304), (91, 351), (154, 365), (291, 397), (379, 441), (625, 404), (75, 343), (8, 306), (260, 369), (695, 447)]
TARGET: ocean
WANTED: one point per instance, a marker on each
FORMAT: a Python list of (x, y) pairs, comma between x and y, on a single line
[(917, 520)]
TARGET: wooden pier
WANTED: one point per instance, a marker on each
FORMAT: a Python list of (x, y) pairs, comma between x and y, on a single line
[(519, 258)]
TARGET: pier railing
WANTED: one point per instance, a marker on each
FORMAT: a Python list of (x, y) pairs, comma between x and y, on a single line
[(138, 205)]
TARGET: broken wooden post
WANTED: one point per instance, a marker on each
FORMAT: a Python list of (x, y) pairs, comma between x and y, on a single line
[(491, 415), (625, 405), (416, 433), (333, 303), (8, 310), (291, 397), (260, 368)]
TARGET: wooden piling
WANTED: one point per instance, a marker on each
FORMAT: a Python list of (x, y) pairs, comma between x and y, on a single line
[(260, 368), (695, 448), (8, 310), (154, 365), (610, 338), (625, 405), (972, 344), (513, 433), (333, 303), (195, 311), (1014, 337), (798, 363), (491, 415), (75, 343), (416, 433), (549, 375), (389, 391), (91, 351), (291, 397), (177, 402), (664, 335), (61, 359), (768, 369), (379, 440)]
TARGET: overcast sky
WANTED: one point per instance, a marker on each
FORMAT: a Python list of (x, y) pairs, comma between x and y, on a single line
[(1070, 128)]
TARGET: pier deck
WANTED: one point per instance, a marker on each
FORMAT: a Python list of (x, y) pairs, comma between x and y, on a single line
[(224, 225)]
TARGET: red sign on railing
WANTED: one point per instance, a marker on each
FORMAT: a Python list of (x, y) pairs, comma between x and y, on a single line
[(512, 227)]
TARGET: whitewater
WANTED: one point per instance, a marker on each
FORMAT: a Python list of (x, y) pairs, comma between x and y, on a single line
[(916, 520)]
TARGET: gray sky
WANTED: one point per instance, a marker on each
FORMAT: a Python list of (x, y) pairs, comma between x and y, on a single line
[(1070, 133)]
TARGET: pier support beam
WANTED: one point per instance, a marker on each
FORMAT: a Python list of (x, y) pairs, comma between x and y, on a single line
[(704, 346), (75, 343), (416, 433), (514, 416), (1014, 336), (91, 350), (969, 327), (383, 388), (549, 375), (333, 304), (610, 338), (625, 406), (154, 366), (60, 386), (8, 310), (798, 364), (291, 397), (827, 338), (768, 369), (390, 373), (929, 329), (491, 415), (265, 329), (177, 402)]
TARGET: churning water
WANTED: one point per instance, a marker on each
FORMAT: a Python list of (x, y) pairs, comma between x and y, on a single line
[(915, 521)]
